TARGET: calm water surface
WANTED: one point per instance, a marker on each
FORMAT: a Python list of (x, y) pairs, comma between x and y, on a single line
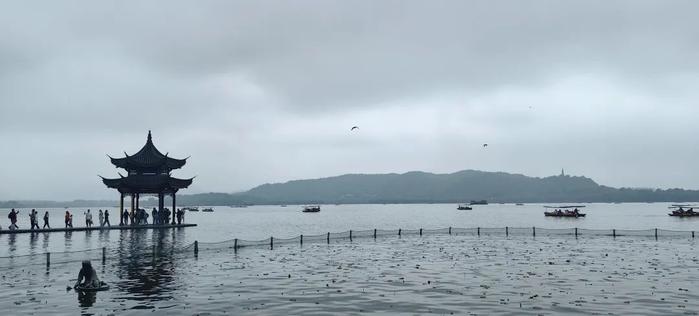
[(152, 270)]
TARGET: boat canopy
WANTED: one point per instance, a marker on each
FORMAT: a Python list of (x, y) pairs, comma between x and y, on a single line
[(683, 206), (565, 206)]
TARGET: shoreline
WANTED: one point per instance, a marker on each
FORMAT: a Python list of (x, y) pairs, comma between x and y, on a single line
[(79, 229)]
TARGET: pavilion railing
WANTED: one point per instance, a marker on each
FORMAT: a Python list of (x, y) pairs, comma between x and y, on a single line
[(234, 245)]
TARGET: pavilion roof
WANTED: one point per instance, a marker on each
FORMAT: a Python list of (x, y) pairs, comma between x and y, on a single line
[(136, 183), (148, 159)]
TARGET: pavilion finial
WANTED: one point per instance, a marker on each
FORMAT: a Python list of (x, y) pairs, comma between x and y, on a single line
[(150, 139)]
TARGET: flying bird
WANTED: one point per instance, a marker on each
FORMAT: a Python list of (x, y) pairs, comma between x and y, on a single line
[(354, 127)]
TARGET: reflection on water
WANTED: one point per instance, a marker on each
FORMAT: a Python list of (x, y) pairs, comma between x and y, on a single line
[(147, 273), (45, 240), (32, 242), (87, 299), (88, 238), (11, 243), (68, 240), (439, 274)]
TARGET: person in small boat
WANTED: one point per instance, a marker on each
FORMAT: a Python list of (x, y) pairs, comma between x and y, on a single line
[(87, 277), (46, 220)]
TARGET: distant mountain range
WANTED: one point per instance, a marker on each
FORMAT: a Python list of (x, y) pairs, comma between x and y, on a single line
[(416, 187)]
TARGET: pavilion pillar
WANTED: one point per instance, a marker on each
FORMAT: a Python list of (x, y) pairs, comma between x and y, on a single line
[(133, 204), (173, 208), (121, 209), (138, 201)]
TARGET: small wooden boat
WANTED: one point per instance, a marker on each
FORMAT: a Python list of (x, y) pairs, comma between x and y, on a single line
[(565, 211), (208, 210), (311, 209), (464, 207), (102, 287)]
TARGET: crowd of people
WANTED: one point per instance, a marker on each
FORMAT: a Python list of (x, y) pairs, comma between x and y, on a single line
[(574, 212), (139, 217), (157, 217)]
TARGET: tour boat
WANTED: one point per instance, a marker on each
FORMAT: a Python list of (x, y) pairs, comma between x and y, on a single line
[(191, 209), (565, 211), (463, 207), (207, 210), (311, 209), (679, 211)]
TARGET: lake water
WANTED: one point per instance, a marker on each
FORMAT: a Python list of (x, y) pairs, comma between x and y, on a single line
[(155, 271)]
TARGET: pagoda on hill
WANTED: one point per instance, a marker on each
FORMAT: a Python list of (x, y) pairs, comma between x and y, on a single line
[(148, 173)]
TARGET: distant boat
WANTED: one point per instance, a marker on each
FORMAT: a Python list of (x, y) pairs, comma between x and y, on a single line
[(208, 210), (311, 209), (564, 211), (239, 206), (481, 202), (191, 209), (283, 205), (463, 207), (519, 204), (679, 211)]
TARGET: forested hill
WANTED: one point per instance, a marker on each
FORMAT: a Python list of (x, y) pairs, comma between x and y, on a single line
[(415, 187), (463, 186)]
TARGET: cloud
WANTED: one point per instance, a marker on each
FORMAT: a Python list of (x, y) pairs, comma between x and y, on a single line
[(262, 91)]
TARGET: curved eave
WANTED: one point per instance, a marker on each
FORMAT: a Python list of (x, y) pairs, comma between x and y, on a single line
[(169, 164), (112, 183), (180, 183), (147, 184)]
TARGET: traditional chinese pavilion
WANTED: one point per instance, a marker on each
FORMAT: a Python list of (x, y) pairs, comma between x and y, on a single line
[(148, 173)]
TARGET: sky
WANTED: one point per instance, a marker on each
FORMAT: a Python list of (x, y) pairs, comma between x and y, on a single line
[(267, 91)]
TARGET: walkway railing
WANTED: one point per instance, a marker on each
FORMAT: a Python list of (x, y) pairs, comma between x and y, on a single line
[(103, 254)]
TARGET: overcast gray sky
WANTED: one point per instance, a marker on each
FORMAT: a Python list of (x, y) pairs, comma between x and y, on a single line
[(266, 91)]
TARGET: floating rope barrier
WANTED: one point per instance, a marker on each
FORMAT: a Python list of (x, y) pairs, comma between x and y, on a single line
[(103, 254)]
